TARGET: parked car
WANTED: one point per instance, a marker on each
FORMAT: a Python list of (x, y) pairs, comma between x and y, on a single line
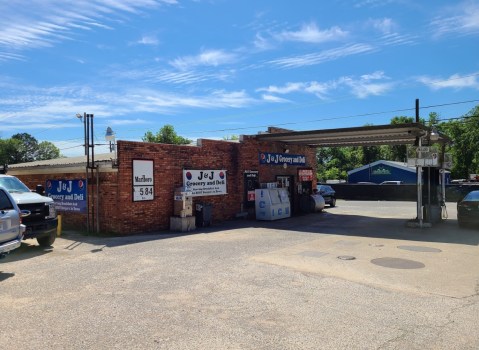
[(328, 193), (391, 182), (11, 227), (468, 209)]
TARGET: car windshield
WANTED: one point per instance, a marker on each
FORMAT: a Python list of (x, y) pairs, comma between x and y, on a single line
[(12, 184), (472, 196)]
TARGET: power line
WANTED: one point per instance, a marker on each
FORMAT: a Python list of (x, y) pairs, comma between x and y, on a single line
[(343, 117)]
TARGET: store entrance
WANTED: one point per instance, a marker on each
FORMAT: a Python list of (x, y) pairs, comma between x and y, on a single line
[(287, 182)]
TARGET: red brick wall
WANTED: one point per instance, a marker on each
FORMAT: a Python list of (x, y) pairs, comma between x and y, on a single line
[(119, 214)]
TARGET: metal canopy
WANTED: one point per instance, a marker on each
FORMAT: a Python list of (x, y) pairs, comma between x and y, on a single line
[(391, 134)]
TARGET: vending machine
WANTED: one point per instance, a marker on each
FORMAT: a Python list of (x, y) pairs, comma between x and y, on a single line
[(272, 204)]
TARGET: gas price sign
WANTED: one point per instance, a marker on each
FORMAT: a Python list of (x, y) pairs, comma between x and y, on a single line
[(143, 180)]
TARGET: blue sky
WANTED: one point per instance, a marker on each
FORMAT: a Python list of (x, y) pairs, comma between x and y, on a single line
[(217, 68)]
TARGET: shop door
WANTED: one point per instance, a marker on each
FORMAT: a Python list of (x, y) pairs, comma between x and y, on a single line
[(287, 181), (250, 183)]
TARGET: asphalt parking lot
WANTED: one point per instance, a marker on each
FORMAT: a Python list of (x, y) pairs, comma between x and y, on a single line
[(352, 277)]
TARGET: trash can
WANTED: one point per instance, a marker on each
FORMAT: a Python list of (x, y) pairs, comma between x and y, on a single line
[(203, 214)]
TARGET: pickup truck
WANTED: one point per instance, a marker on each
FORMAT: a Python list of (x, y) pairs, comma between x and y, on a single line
[(43, 221)]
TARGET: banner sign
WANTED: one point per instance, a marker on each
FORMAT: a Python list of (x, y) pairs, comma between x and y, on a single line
[(68, 195), (143, 186), (305, 174), (282, 158), (205, 182)]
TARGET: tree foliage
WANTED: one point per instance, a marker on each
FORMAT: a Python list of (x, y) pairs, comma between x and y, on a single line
[(166, 134), (23, 147), (464, 133)]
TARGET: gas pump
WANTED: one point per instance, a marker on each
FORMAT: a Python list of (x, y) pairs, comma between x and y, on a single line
[(432, 194)]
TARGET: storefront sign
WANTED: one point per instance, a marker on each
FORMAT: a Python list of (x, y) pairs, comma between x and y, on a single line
[(69, 195), (205, 182), (282, 158), (305, 174), (143, 183)]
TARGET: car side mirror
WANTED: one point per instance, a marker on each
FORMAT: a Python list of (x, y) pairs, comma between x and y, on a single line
[(40, 189)]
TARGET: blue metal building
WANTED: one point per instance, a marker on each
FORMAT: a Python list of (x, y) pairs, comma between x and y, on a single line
[(383, 170)]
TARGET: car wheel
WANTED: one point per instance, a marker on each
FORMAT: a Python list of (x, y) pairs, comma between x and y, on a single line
[(333, 202), (47, 241)]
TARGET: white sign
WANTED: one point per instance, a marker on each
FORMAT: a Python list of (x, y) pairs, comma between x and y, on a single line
[(205, 182), (143, 184)]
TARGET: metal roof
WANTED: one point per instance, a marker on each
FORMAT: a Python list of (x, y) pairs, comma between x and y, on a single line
[(59, 162), (391, 134)]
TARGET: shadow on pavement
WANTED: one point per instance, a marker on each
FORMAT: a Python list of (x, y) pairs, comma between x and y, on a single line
[(27, 251), (447, 231), (327, 222)]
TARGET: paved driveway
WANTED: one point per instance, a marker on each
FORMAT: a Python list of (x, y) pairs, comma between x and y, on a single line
[(252, 285)]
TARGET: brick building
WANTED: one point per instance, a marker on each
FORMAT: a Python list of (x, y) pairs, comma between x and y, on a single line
[(113, 207)]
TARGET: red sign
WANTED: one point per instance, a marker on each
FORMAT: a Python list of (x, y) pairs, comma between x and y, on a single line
[(251, 196), (305, 174)]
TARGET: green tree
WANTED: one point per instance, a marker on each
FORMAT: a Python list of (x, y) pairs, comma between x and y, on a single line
[(232, 138), (398, 153), (8, 150), (27, 148), (166, 134), (47, 150), (21, 148), (464, 133)]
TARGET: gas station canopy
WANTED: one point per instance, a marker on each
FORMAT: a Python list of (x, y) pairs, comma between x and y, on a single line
[(390, 134)]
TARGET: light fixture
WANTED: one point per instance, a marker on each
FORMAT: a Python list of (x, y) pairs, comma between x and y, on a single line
[(433, 134), (110, 137)]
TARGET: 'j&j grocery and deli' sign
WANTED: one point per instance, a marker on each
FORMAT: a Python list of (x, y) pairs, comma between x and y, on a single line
[(282, 158), (205, 182)]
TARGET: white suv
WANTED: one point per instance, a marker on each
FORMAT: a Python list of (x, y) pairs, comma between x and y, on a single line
[(11, 228)]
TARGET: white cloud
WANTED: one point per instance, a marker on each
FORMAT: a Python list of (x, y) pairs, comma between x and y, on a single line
[(56, 107), (323, 56), (461, 19), (366, 86), (274, 99), (384, 25), (262, 43), (320, 90), (136, 121), (148, 40), (310, 33), (212, 58), (362, 87), (37, 24), (286, 89), (455, 81)]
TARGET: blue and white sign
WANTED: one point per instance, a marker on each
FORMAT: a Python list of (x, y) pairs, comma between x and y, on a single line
[(282, 158), (69, 195)]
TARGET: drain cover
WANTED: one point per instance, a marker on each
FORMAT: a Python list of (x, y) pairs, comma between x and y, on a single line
[(416, 248), (398, 263), (346, 257)]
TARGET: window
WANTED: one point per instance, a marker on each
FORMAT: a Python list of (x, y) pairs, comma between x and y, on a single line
[(5, 203)]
